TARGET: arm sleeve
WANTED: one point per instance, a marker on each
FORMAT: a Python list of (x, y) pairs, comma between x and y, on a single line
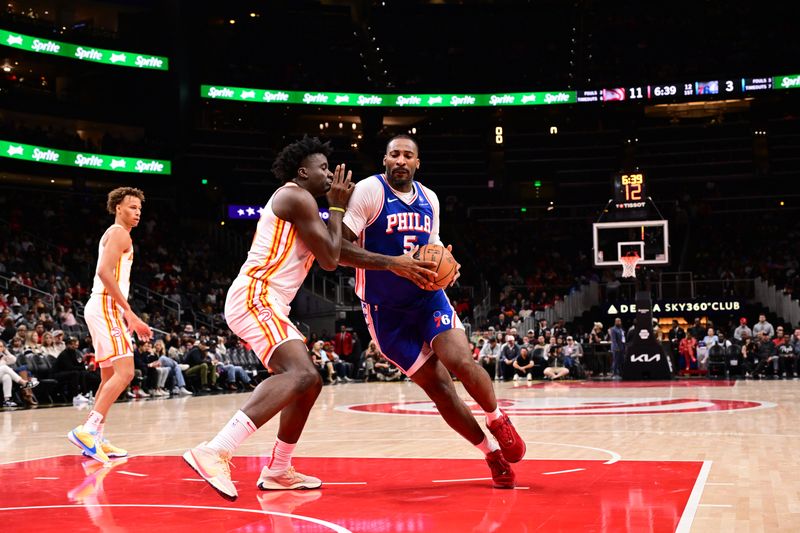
[(434, 200), (364, 205)]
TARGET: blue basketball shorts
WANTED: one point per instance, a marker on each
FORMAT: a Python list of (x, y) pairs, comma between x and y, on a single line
[(405, 336)]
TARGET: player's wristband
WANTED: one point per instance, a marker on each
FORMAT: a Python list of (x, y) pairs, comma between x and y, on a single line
[(336, 209)]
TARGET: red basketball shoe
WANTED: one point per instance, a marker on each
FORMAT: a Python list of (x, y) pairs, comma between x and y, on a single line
[(507, 437), (502, 475)]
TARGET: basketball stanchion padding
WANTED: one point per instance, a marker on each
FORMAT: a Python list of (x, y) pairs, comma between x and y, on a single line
[(446, 266)]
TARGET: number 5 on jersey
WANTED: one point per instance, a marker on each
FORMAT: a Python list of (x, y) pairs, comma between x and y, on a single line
[(409, 241)]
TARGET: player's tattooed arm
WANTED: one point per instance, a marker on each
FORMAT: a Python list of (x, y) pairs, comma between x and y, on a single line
[(403, 265)]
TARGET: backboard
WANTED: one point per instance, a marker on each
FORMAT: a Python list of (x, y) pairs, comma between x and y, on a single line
[(648, 238)]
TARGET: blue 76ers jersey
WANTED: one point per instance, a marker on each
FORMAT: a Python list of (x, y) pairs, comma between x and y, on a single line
[(397, 229)]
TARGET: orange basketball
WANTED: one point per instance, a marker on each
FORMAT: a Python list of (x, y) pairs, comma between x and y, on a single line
[(446, 266)]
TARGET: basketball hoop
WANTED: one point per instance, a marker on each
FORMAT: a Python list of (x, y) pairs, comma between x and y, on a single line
[(629, 263)]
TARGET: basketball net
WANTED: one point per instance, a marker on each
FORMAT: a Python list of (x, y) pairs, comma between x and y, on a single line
[(629, 263)]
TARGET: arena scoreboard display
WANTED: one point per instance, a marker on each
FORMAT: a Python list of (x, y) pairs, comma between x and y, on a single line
[(630, 190)]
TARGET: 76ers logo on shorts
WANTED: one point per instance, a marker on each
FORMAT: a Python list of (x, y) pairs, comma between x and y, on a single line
[(440, 318), (116, 332), (265, 314)]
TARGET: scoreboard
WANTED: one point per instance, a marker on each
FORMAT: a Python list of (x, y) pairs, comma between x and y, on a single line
[(630, 191), (729, 87)]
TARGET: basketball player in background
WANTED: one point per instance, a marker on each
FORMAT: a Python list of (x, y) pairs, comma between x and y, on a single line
[(104, 314), (289, 235), (389, 216)]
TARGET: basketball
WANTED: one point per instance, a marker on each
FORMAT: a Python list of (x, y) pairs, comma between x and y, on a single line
[(446, 266)]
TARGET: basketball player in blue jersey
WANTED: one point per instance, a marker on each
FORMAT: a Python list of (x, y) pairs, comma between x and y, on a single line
[(388, 217)]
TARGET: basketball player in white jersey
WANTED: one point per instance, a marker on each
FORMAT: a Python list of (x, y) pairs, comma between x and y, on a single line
[(289, 236), (104, 314)]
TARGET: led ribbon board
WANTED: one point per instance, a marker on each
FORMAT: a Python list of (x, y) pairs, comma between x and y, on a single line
[(244, 94), (84, 53), (38, 154), (715, 88)]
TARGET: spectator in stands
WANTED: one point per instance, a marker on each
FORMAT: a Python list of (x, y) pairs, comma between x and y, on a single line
[(508, 354), (9, 330), (749, 355), (763, 325), (69, 369), (617, 336), (738, 333), (542, 328), (490, 354), (342, 368), (49, 346), (796, 342), (370, 356), (343, 344), (779, 337), (386, 370), (175, 369), (67, 318), (710, 338), (523, 365), (8, 375), (144, 376), (688, 351), (539, 352), (788, 357), (555, 365), (698, 330), (233, 373), (676, 333), (560, 329), (767, 355), (200, 364), (572, 352), (323, 364), (58, 340)]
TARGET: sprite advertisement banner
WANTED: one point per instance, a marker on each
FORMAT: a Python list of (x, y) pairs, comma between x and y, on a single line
[(85, 53), (243, 94), (27, 152), (786, 82)]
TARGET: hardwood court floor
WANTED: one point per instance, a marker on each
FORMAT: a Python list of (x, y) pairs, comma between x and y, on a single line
[(602, 456)]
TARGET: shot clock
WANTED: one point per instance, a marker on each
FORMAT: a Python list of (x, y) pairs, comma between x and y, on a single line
[(629, 190)]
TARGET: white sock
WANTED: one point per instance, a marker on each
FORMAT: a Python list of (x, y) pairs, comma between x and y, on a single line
[(487, 445), (101, 428), (281, 458), (491, 417), (93, 422), (233, 434)]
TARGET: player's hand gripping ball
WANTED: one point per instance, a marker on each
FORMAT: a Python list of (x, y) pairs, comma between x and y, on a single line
[(446, 265)]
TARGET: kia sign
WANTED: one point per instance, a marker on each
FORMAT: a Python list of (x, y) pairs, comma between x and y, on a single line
[(671, 307)]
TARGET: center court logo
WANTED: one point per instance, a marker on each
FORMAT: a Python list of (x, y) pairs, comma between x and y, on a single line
[(566, 406)]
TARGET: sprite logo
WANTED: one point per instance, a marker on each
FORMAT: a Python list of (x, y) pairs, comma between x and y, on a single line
[(248, 94), (213, 92), (152, 62), (14, 39), (44, 155), (152, 166), (118, 163), (528, 98), (462, 100), (342, 99), (91, 161), (369, 100), (556, 98), (45, 46), (118, 57), (789, 82), (408, 100), (435, 100), (501, 99), (15, 150), (276, 97), (83, 53), (318, 98)]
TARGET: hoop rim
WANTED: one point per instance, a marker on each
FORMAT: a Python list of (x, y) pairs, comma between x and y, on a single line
[(629, 263)]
